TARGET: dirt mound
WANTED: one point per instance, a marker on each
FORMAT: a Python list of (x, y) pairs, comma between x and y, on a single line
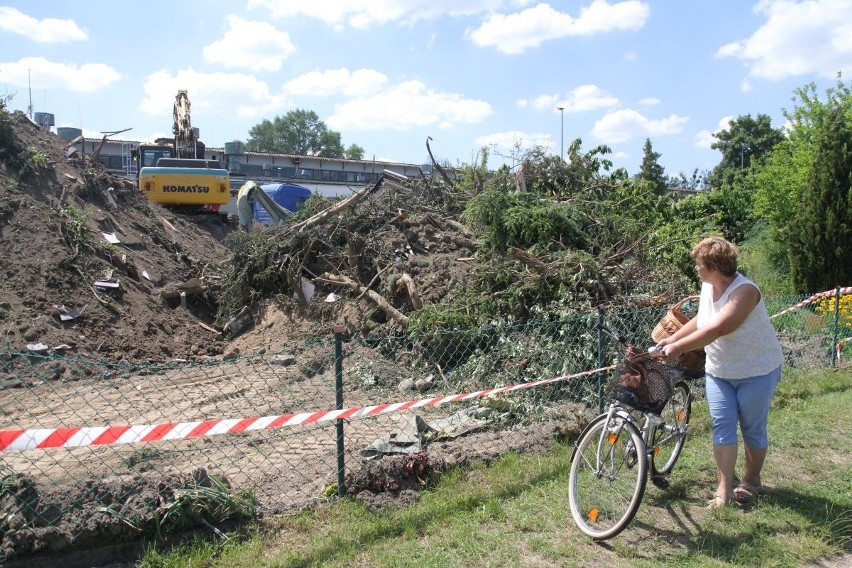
[(90, 266)]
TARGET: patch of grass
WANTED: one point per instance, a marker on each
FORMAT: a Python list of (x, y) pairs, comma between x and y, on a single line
[(514, 511)]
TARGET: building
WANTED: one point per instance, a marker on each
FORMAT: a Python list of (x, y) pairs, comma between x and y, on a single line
[(330, 177)]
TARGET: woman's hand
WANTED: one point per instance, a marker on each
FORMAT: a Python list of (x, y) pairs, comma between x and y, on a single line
[(667, 351)]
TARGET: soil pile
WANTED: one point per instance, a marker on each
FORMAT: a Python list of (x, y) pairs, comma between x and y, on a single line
[(89, 266)]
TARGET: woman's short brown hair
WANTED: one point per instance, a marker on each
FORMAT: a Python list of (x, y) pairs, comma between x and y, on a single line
[(718, 253)]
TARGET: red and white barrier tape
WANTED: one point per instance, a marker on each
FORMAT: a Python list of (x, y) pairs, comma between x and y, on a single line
[(40, 438), (817, 296)]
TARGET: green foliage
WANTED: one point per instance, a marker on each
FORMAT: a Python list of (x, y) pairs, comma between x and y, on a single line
[(199, 500), (259, 268), (697, 181), (12, 152), (779, 183), (821, 238), (299, 132), (763, 258), (727, 209), (651, 173), (354, 152), (523, 220), (744, 143)]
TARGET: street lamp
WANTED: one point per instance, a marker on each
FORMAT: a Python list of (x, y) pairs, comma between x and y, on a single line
[(562, 132)]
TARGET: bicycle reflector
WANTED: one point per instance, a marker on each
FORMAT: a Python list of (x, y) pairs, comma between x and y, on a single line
[(593, 514), (612, 438)]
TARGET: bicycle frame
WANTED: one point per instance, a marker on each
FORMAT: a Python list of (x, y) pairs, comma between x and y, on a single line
[(648, 428)]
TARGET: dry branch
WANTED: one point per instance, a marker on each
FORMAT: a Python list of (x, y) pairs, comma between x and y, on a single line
[(527, 259), (341, 280), (335, 209), (405, 281)]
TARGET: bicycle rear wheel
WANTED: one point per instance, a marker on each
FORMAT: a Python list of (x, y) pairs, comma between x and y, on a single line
[(609, 470), (670, 436)]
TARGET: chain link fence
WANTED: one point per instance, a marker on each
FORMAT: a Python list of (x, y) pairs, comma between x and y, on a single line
[(97, 452)]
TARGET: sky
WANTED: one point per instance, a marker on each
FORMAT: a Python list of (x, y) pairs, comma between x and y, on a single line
[(388, 74)]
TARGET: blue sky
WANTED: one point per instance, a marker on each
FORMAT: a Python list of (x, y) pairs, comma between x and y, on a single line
[(469, 73)]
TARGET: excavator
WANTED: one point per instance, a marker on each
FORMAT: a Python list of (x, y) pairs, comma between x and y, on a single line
[(175, 172)]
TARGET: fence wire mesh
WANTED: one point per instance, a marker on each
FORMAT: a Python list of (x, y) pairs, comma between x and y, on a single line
[(258, 434)]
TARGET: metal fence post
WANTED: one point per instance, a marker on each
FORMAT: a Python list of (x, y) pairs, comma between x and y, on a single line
[(338, 395), (601, 362), (835, 339)]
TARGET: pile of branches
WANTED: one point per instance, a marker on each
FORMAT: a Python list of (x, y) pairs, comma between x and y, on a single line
[(360, 244)]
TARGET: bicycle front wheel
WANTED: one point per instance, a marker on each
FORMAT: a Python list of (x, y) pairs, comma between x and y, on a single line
[(609, 469), (670, 436)]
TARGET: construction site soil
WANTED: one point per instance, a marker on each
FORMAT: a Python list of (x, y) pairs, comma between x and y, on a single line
[(90, 268)]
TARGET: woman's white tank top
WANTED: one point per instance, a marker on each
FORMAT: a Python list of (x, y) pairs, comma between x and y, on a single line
[(751, 350)]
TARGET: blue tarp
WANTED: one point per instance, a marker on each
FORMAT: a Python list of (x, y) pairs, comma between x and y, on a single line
[(288, 195)]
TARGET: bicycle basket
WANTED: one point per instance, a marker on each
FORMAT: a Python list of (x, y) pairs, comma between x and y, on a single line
[(642, 382), (676, 318)]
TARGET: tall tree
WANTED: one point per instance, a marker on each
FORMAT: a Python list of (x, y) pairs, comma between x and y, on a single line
[(651, 172), (354, 152), (298, 132), (780, 181), (821, 238), (747, 140)]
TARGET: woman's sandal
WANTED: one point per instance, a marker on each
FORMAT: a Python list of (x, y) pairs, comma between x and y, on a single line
[(718, 502), (746, 492)]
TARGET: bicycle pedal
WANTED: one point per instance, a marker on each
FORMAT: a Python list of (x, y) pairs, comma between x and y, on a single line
[(660, 481)]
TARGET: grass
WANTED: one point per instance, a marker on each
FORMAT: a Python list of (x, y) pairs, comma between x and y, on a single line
[(513, 512)]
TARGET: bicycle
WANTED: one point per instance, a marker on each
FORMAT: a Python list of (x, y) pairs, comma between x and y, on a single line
[(642, 432)]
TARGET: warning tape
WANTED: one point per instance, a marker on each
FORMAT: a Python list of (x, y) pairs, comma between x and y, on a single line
[(817, 296), (41, 438)]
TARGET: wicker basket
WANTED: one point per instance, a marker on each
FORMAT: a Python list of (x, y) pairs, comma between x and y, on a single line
[(672, 321), (692, 361), (642, 382)]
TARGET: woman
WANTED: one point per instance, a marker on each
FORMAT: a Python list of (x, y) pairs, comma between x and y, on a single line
[(743, 364)]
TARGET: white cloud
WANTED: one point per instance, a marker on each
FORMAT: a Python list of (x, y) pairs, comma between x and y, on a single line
[(364, 14), (46, 74), (48, 30), (580, 99), (541, 102), (253, 45), (650, 101), (360, 82), (406, 105), (515, 33), (246, 96), (798, 38), (587, 97), (705, 137), (515, 140), (622, 125)]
